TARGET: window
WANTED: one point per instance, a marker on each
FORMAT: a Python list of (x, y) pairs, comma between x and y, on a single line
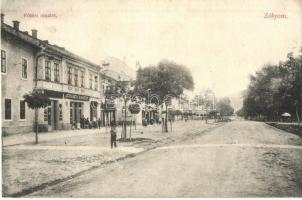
[(90, 81), (47, 71), (69, 75), (71, 112), (82, 79), (75, 77), (8, 109), (56, 72), (24, 68), (22, 110), (96, 83), (3, 61), (46, 114)]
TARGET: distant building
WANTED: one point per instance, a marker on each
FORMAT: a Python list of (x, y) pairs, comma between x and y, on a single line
[(115, 109)]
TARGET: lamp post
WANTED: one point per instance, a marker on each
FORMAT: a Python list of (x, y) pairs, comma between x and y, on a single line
[(148, 102)]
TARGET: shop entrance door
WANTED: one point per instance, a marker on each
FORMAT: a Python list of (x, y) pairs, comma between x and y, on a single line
[(52, 115), (75, 113)]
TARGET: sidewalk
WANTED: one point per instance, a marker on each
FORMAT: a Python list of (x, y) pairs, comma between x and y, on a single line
[(29, 138)]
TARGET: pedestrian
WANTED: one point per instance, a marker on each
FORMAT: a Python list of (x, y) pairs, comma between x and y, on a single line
[(82, 121), (99, 123), (113, 135)]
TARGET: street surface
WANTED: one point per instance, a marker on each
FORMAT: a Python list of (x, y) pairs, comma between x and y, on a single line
[(62, 155), (238, 159)]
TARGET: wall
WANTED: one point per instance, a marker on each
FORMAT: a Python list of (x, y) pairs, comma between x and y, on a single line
[(13, 86)]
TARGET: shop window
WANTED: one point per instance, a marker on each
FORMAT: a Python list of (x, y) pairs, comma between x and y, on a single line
[(46, 114), (3, 61), (60, 112), (93, 110), (8, 109), (24, 68), (71, 113), (47, 71), (56, 72), (22, 110)]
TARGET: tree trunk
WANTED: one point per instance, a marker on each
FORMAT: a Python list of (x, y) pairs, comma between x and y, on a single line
[(135, 122), (130, 127), (166, 119), (36, 125), (297, 114)]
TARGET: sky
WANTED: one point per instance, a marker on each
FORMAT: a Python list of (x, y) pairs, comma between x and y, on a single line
[(222, 42)]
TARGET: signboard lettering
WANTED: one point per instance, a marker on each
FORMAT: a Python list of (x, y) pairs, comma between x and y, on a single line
[(76, 97)]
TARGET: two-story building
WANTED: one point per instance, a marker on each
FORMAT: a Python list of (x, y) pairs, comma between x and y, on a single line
[(27, 63)]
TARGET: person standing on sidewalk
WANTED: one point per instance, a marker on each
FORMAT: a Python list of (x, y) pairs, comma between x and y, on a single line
[(113, 135)]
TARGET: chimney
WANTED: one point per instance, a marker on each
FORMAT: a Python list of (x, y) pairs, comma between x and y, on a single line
[(34, 33), (16, 25), (2, 18)]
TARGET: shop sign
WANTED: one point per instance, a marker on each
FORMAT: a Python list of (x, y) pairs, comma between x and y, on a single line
[(76, 97), (53, 94)]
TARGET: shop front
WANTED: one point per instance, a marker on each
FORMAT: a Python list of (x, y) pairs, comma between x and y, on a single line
[(65, 110), (108, 113)]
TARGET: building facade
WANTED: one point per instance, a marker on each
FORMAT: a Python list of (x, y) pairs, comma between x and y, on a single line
[(71, 82), (17, 79), (76, 86)]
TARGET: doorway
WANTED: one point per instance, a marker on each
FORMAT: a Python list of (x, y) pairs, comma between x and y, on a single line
[(52, 115)]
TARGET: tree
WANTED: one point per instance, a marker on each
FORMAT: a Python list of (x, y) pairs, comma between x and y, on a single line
[(275, 89), (240, 112), (121, 90), (291, 85), (166, 79), (224, 107), (35, 100)]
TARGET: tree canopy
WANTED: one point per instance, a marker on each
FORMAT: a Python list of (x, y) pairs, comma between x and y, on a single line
[(224, 107), (275, 89), (36, 99), (167, 78)]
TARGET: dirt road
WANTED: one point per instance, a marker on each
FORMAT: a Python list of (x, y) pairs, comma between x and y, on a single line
[(239, 159)]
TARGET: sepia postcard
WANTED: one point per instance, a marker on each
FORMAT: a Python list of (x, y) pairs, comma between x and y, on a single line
[(151, 98)]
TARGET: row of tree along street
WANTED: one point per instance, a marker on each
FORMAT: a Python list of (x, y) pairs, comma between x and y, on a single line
[(275, 92), (164, 81)]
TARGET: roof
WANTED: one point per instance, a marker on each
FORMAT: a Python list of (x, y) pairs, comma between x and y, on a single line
[(118, 68), (114, 75), (36, 42)]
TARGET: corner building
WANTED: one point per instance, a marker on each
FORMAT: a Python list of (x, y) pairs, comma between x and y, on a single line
[(29, 63)]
